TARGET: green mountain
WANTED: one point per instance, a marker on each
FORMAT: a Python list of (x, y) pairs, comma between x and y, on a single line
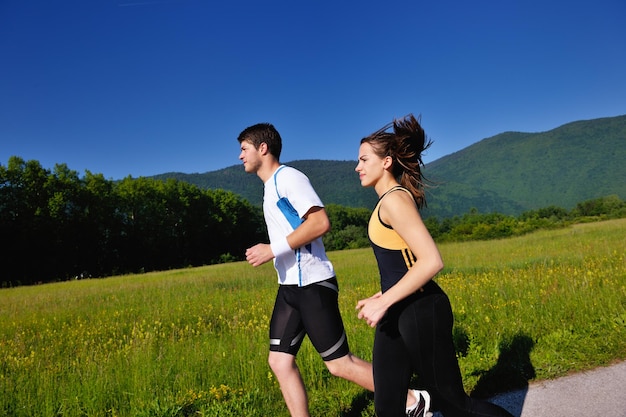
[(508, 173), (336, 182), (513, 172)]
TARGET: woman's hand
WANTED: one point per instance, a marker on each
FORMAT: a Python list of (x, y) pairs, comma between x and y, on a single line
[(372, 309)]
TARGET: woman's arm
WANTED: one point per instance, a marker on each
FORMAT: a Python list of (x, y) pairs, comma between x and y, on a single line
[(398, 210)]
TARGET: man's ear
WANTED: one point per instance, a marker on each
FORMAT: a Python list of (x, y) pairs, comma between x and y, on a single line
[(263, 148)]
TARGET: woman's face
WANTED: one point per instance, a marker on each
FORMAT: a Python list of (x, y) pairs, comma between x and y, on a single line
[(370, 167)]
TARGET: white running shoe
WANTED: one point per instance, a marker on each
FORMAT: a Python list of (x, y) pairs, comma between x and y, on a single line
[(421, 408)]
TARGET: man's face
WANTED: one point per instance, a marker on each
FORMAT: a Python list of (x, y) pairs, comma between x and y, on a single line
[(250, 156)]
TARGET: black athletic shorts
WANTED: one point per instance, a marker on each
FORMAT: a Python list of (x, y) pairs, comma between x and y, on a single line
[(312, 310)]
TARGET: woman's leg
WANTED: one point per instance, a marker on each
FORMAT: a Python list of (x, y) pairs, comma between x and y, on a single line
[(392, 370), (426, 327)]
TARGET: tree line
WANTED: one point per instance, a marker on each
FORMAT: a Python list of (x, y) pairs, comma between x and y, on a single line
[(58, 226), (485, 226), (349, 225)]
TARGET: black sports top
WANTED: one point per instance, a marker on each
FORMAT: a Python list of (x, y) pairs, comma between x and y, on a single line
[(392, 253)]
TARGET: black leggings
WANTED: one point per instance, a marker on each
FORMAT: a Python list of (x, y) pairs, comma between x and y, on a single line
[(416, 337)]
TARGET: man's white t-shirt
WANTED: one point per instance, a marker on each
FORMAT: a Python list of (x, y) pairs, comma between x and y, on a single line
[(308, 264)]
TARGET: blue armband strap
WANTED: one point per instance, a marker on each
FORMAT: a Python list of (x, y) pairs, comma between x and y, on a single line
[(284, 205)]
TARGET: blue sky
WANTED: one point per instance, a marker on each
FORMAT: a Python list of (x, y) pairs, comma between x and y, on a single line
[(132, 87)]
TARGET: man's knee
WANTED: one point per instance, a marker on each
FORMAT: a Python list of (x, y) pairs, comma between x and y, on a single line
[(339, 367), (281, 363)]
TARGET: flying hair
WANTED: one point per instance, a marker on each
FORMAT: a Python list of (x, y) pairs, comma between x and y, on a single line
[(405, 144)]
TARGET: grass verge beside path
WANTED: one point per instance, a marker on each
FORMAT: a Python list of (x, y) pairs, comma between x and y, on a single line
[(194, 341)]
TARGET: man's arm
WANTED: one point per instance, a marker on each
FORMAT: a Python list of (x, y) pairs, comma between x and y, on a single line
[(315, 224)]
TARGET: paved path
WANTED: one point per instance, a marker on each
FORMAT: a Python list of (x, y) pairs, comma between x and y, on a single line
[(597, 393)]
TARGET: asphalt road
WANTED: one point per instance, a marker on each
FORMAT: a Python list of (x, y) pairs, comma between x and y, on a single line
[(598, 393)]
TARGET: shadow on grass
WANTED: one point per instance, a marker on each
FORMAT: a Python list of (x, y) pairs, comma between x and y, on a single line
[(507, 382), (359, 404), (512, 371)]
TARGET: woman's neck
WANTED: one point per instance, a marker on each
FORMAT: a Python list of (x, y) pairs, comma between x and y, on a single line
[(384, 185)]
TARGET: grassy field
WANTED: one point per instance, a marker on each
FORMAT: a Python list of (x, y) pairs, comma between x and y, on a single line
[(194, 341)]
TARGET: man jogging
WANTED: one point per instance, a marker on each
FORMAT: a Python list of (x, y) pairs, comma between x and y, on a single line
[(307, 298)]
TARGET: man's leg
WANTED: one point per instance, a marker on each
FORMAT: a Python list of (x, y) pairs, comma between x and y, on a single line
[(286, 335), (288, 375), (324, 325), (353, 369)]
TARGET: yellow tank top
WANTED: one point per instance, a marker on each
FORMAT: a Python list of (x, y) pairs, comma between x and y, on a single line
[(392, 253)]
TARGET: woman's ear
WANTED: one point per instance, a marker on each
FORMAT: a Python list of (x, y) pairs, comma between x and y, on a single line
[(387, 162)]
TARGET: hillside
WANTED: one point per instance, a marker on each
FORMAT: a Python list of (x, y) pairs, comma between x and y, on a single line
[(508, 173), (335, 181), (562, 167)]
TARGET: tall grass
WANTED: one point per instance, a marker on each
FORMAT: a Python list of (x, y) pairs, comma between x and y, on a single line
[(194, 341)]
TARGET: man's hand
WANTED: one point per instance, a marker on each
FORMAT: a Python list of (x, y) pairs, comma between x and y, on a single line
[(259, 254)]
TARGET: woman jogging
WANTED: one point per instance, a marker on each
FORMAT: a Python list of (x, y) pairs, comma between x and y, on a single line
[(411, 313)]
